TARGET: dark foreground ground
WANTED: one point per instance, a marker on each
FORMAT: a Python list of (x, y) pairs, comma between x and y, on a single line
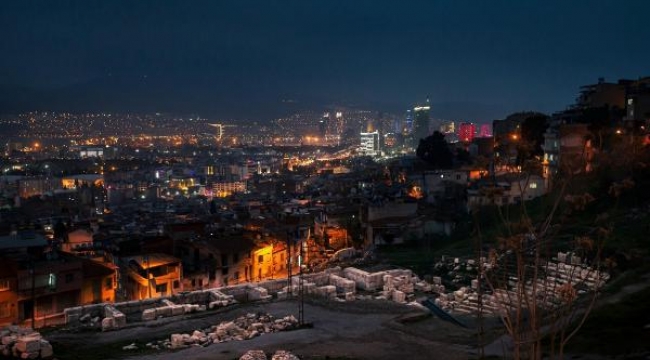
[(355, 330), (618, 328)]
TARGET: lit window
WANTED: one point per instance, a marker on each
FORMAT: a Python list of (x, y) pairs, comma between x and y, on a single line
[(533, 185), (162, 288), (4, 284)]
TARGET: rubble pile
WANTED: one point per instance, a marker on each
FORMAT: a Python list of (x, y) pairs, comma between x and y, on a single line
[(219, 299), (260, 355), (169, 308), (567, 273), (24, 343), (256, 293), (243, 328), (396, 285)]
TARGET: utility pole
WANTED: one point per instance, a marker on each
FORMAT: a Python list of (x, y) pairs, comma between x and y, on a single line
[(146, 261), (301, 292), (289, 292), (33, 273)]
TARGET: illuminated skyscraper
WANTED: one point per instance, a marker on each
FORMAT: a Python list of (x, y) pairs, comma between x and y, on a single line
[(323, 124), (448, 127), (408, 123), (421, 122), (485, 131), (466, 132), (369, 143)]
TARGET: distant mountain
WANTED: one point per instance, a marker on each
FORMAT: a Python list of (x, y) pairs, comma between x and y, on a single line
[(228, 101)]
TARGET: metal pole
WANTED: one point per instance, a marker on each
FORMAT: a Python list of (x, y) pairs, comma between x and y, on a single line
[(146, 259), (289, 292), (301, 292), (33, 272)]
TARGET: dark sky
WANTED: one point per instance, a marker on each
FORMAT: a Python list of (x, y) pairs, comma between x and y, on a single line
[(476, 60)]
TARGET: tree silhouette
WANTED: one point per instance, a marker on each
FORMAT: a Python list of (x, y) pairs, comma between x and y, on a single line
[(532, 137), (435, 151)]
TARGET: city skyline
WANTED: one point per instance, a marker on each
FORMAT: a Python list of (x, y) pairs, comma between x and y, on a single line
[(252, 59)]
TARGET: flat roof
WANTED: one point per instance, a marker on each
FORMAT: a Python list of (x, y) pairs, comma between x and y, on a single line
[(148, 261)]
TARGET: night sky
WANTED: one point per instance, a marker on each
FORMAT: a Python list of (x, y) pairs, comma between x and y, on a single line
[(477, 60)]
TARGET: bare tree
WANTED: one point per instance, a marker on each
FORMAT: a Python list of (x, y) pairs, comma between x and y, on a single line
[(542, 296)]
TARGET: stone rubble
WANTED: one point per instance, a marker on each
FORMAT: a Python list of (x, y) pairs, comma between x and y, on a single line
[(24, 343), (254, 355), (113, 319), (284, 355), (243, 328), (333, 283), (566, 271), (169, 308), (260, 355)]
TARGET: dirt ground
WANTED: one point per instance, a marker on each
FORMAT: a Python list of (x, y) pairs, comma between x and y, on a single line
[(353, 330)]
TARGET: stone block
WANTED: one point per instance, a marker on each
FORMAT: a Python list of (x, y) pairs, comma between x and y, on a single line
[(177, 341), (254, 355), (423, 286), (149, 314), (257, 294), (119, 320), (72, 319), (177, 310), (342, 285), (167, 302), (326, 290), (108, 324), (164, 311), (475, 284), (282, 295), (46, 350), (284, 355), (28, 345), (399, 296)]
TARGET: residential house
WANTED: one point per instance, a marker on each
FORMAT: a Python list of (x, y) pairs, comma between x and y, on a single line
[(38, 284), (506, 189), (151, 275), (387, 223)]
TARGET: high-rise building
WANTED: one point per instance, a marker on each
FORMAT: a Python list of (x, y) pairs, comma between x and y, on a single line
[(340, 123), (448, 127), (485, 131), (322, 125), (369, 143), (407, 128), (219, 131), (421, 122), (466, 132)]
